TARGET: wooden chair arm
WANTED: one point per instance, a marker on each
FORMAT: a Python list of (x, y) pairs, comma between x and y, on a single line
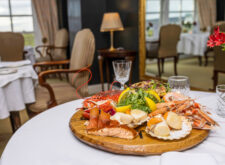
[(41, 46), (41, 77), (50, 48), (154, 42), (57, 47), (51, 63)]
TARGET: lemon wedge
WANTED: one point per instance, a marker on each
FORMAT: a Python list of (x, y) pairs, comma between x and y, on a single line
[(152, 92), (123, 108), (151, 104), (124, 94)]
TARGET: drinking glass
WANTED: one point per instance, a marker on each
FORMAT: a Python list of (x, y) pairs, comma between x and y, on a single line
[(122, 71), (179, 84), (220, 91)]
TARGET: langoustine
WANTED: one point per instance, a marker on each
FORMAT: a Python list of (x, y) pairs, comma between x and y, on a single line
[(187, 107)]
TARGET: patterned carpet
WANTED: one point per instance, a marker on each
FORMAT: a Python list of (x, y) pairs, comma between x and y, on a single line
[(200, 76)]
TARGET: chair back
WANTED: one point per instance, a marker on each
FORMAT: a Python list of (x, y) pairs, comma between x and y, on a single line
[(219, 54), (11, 46), (169, 37), (61, 40), (82, 56)]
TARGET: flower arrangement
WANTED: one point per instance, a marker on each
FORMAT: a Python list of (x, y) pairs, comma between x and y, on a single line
[(217, 39), (150, 29)]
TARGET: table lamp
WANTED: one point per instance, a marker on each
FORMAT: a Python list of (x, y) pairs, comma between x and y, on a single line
[(111, 22)]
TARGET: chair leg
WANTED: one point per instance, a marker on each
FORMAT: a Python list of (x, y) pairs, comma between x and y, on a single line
[(178, 57), (60, 77), (206, 59), (162, 65), (200, 60), (15, 120), (175, 65), (159, 71), (215, 79)]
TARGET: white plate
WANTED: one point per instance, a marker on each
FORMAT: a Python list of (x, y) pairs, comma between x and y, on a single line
[(7, 71), (175, 134)]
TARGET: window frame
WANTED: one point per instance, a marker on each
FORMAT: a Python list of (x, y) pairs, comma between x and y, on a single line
[(154, 12), (183, 11), (10, 16), (164, 12)]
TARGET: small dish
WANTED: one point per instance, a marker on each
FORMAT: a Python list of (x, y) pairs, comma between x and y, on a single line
[(174, 134)]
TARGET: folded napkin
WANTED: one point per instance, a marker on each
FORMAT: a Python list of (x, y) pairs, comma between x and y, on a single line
[(180, 158), (14, 64)]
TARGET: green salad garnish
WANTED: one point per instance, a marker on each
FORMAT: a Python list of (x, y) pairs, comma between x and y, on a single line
[(137, 100)]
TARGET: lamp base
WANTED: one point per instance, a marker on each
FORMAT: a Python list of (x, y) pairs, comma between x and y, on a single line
[(112, 49), (111, 41)]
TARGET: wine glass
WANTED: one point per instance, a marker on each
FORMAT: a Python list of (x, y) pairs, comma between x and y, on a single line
[(220, 91), (179, 84), (122, 71)]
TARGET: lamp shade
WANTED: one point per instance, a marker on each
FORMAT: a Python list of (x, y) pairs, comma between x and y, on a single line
[(111, 22)]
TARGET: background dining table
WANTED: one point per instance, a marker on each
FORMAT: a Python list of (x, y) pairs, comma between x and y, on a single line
[(16, 88), (47, 139), (194, 44)]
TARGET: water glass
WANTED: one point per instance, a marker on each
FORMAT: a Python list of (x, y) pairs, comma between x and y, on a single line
[(179, 84), (122, 71), (220, 91)]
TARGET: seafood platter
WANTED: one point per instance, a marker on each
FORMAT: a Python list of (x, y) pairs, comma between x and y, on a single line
[(144, 119)]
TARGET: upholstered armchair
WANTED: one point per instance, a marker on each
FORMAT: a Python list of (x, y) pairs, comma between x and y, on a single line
[(56, 52), (167, 46), (11, 46), (49, 94)]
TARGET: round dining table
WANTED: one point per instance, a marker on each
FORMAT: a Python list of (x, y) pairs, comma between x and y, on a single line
[(47, 139)]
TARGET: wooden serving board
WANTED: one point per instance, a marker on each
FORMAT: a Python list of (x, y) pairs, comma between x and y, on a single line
[(138, 146)]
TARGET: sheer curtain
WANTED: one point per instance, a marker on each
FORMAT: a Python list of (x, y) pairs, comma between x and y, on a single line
[(164, 19), (47, 16), (206, 13)]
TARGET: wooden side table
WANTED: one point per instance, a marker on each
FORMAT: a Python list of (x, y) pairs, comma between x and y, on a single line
[(105, 54)]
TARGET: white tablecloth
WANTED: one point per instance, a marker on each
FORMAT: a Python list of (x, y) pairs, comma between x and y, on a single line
[(46, 140), (193, 44), (16, 89)]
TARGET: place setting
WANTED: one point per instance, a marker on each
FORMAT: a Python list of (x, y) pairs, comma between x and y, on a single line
[(146, 118)]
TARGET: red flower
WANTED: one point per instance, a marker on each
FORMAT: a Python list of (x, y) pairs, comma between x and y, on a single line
[(216, 39)]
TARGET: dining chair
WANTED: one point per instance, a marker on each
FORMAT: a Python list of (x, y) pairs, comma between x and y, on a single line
[(11, 46), (50, 94), (167, 46), (56, 52)]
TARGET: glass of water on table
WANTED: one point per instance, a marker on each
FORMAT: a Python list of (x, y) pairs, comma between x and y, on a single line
[(220, 92), (122, 71), (179, 84)]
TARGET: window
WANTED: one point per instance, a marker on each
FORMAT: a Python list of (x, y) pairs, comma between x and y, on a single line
[(181, 11), (153, 10), (161, 12), (16, 16)]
